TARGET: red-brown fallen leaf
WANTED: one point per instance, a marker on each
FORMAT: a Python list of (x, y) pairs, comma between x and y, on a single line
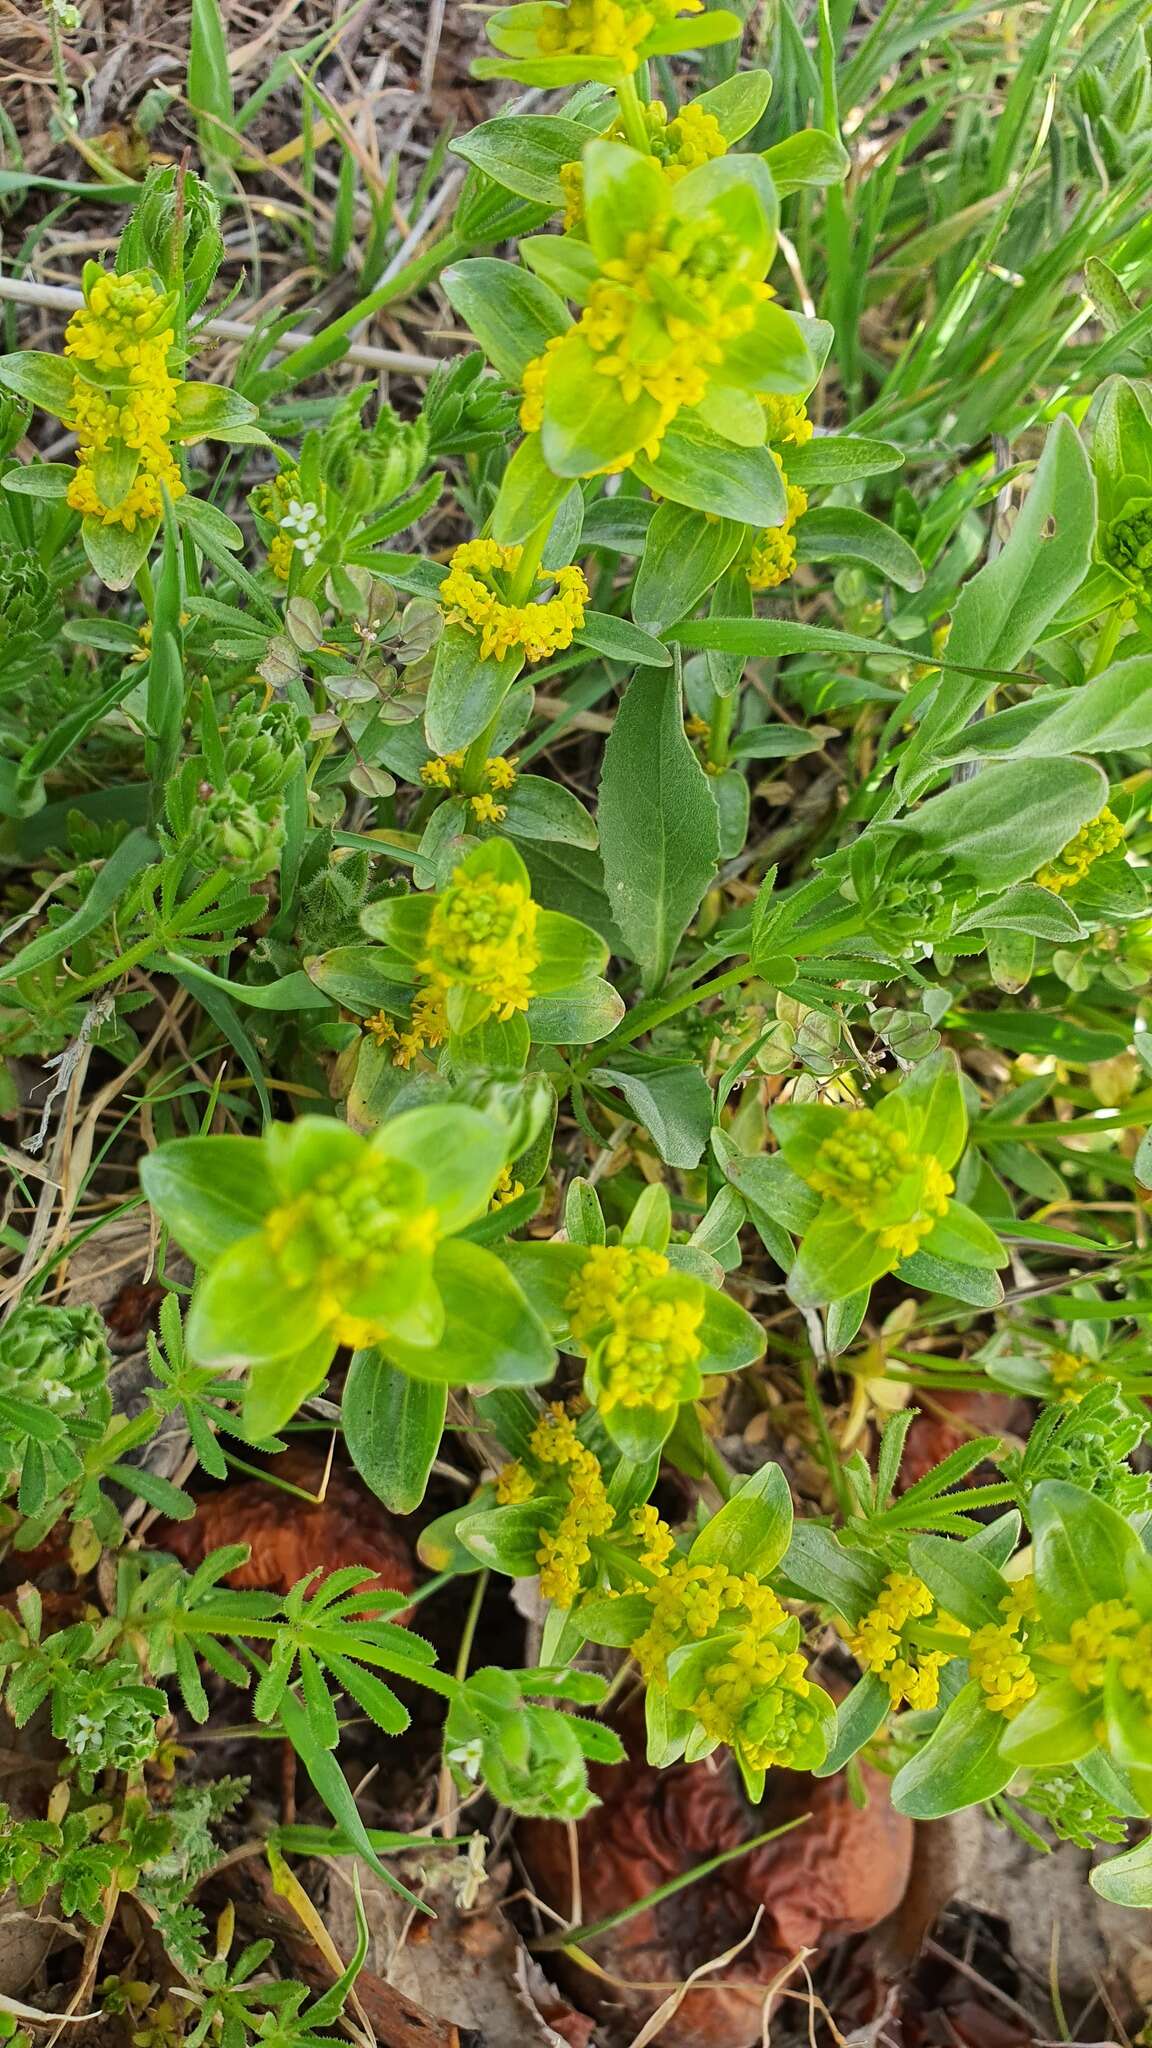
[(953, 1417), (288, 1537), (838, 1874)]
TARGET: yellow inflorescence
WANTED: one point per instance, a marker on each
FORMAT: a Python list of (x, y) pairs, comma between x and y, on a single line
[(693, 136), (482, 936), (753, 1695), (786, 418), (123, 399), (644, 1343), (773, 555), (1001, 1665), (607, 1275), (1102, 834), (612, 29), (1111, 1630), (473, 596), (506, 1190), (565, 1551), (1071, 1376), (646, 348), (444, 771), (514, 1483), (864, 1162), (881, 1642), (653, 1535), (427, 1026), (346, 1231)]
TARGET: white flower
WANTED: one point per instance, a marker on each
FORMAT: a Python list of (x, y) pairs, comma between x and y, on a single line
[(468, 1757)]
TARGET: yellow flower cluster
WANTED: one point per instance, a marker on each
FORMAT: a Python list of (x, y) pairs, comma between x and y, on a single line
[(644, 1344), (606, 28), (482, 936), (346, 1231), (1000, 1664), (864, 1162), (473, 596), (1071, 1376), (565, 1551), (122, 403), (773, 554), (754, 1695), (645, 347), (786, 418), (427, 1026), (692, 137), (444, 771), (1102, 834), (506, 1190), (653, 1535), (881, 1643), (514, 1484), (1110, 1632)]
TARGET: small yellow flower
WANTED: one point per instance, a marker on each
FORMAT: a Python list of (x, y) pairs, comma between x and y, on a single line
[(482, 936), (658, 320), (646, 1346), (692, 137), (864, 1162), (474, 596), (1094, 1639), (506, 1190), (486, 810), (427, 1027), (1102, 835), (123, 398), (566, 1550), (500, 771), (882, 1641), (787, 419), (441, 771), (606, 28), (773, 555), (654, 1536), (1001, 1666), (514, 1484)]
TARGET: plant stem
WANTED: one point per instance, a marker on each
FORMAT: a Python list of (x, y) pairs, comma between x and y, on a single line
[(632, 114), (719, 730)]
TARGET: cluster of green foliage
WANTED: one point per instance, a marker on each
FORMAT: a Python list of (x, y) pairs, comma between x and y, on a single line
[(544, 1103)]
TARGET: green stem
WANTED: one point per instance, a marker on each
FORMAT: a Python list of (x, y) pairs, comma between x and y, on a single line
[(645, 1019), (632, 114), (1106, 641), (720, 729), (189, 911), (469, 1636), (326, 346)]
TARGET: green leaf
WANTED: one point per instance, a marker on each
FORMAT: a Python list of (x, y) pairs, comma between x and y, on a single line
[(277, 1387), (752, 1530), (659, 836), (491, 1336), (622, 641), (1126, 1880), (696, 467), (507, 1539), (1003, 825), (961, 1763), (211, 1192), (539, 809), (1004, 610), (1058, 1725), (207, 412), (810, 157), (333, 1789), (964, 1582), (119, 871), (1083, 1547), (392, 1426), (45, 379), (671, 1099), (684, 554), (836, 533), (512, 314), (114, 553), (974, 1284), (525, 153), (466, 690), (529, 494), (840, 459), (858, 1716)]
